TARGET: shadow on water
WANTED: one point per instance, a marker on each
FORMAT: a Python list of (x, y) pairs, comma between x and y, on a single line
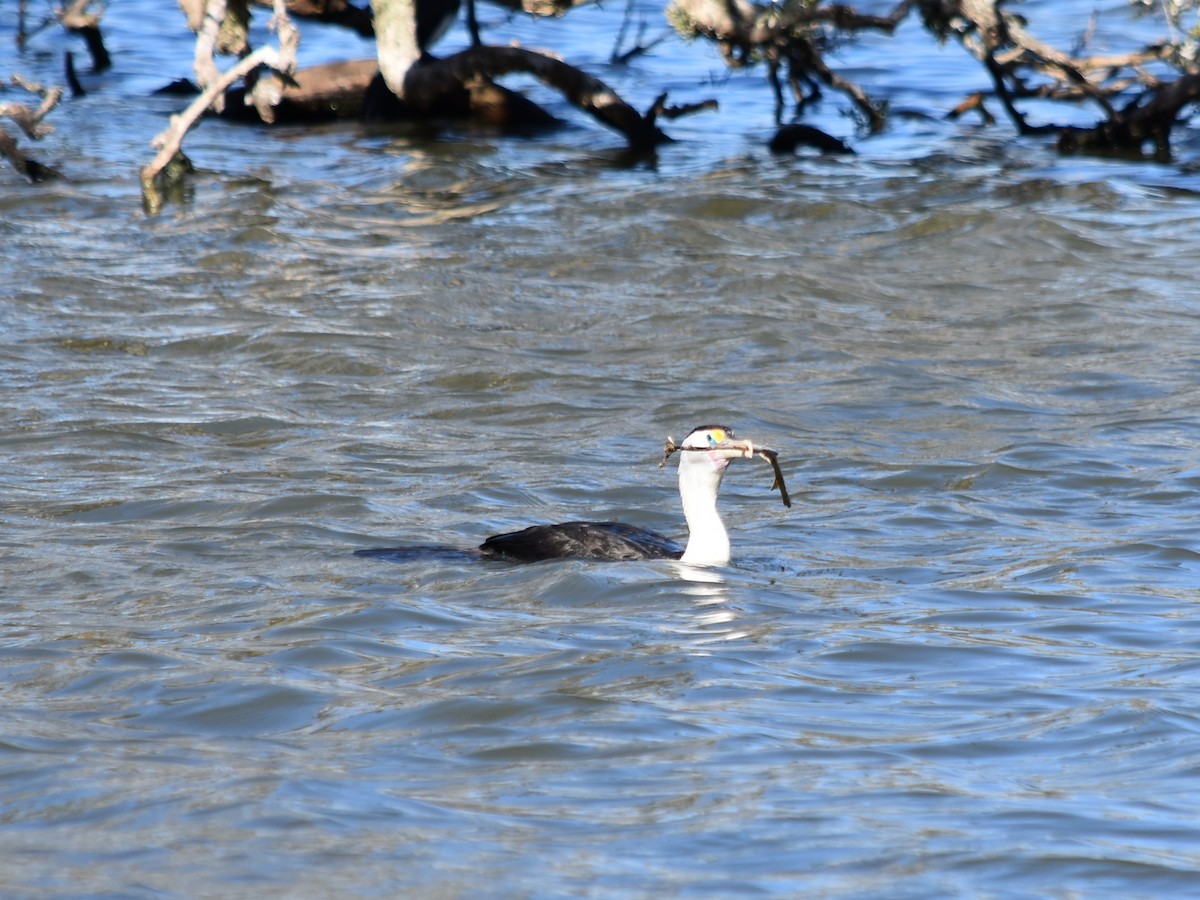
[(420, 552)]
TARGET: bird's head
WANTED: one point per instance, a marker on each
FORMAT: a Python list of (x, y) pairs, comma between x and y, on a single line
[(709, 448), (716, 444)]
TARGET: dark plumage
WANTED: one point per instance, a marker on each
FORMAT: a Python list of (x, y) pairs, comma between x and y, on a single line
[(581, 540)]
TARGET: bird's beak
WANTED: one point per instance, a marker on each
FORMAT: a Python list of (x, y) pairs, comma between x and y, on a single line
[(736, 448), (732, 448), (739, 448)]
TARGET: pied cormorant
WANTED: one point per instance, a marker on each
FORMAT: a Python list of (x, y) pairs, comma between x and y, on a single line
[(704, 456)]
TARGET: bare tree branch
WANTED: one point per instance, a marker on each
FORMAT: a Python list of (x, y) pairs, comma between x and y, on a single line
[(428, 82), (1013, 58), (787, 37), (281, 62), (30, 122)]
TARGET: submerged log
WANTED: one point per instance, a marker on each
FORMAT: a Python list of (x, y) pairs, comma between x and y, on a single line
[(448, 89), (429, 83), (483, 102), (315, 94), (790, 137), (464, 83)]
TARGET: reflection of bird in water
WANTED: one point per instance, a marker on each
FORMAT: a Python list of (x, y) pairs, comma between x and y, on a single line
[(705, 454), (434, 18)]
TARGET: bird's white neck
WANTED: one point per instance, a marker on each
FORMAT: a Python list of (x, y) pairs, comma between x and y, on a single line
[(699, 481)]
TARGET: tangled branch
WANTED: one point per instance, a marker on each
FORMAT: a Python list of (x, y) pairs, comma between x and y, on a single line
[(278, 65), (1022, 67), (1136, 105), (30, 121), (429, 83), (790, 40)]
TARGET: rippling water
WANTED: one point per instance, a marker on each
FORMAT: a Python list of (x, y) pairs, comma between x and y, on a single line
[(960, 664)]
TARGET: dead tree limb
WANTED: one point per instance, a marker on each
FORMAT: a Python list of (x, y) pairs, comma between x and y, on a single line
[(789, 137), (280, 64), (1137, 103), (789, 39), (30, 121), (463, 84), (428, 83), (223, 29), (1022, 67)]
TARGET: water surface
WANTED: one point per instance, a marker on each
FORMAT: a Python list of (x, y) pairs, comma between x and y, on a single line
[(960, 664)]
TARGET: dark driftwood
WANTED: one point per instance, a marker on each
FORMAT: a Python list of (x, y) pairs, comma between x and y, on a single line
[(430, 83), (484, 102), (76, 18), (314, 94), (789, 137), (30, 168), (459, 87), (1129, 130)]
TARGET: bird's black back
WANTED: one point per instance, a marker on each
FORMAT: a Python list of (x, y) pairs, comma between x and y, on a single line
[(581, 540)]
